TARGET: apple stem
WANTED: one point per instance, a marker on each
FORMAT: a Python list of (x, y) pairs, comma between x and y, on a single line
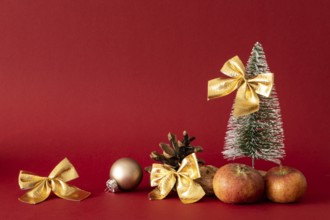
[(252, 162)]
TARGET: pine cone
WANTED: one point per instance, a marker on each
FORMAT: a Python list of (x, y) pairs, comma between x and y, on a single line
[(206, 180)]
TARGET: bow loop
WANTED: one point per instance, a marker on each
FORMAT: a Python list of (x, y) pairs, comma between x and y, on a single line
[(234, 68), (64, 171), (189, 167), (263, 83), (247, 100), (28, 180), (165, 178), (41, 187)]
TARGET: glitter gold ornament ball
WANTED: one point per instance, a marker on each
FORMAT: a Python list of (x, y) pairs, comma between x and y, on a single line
[(125, 174)]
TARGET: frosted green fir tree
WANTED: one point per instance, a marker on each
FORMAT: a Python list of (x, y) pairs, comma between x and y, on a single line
[(260, 134)]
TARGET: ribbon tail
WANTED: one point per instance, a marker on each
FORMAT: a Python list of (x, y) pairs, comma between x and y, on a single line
[(68, 192), (246, 101), (37, 194), (76, 195), (188, 190), (164, 187), (156, 194)]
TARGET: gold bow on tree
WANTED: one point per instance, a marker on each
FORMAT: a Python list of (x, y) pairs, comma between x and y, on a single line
[(247, 100), (41, 187), (164, 177)]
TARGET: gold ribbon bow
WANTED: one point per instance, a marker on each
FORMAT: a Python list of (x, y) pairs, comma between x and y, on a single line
[(247, 100), (165, 177), (41, 187)]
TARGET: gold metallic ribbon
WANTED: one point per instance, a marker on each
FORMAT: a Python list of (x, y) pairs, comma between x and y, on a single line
[(41, 187), (165, 177), (247, 100)]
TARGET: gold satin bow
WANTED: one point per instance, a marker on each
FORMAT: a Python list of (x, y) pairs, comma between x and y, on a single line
[(41, 187), (164, 177), (247, 100)]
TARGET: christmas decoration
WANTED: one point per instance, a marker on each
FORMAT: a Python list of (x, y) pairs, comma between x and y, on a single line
[(257, 132), (238, 183), (125, 175), (165, 177), (285, 184), (174, 154), (41, 187)]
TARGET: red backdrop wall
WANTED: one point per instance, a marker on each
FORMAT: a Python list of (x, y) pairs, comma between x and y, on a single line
[(98, 80)]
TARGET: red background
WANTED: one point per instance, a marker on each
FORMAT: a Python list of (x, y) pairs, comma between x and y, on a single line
[(98, 80)]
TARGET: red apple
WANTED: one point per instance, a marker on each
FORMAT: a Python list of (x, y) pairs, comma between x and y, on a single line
[(238, 183), (285, 184)]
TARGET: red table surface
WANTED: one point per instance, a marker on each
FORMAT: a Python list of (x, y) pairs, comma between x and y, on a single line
[(97, 80), (135, 205)]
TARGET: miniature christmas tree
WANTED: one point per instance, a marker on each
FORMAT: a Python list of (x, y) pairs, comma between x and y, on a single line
[(258, 135)]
